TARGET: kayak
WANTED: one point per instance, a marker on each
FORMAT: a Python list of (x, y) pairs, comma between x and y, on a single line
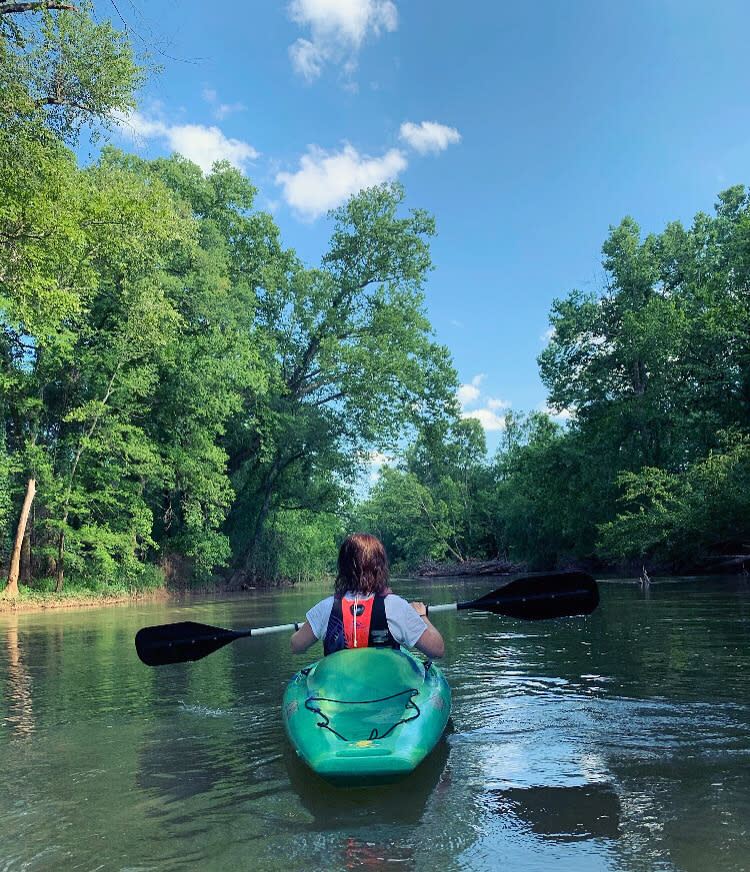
[(366, 716)]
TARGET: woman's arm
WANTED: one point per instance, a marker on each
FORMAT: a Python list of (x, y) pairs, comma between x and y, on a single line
[(303, 638), (430, 642)]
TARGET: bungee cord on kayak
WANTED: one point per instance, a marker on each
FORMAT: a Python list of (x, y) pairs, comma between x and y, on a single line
[(375, 733)]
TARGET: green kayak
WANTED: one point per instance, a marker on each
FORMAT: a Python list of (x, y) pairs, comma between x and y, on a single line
[(366, 716)]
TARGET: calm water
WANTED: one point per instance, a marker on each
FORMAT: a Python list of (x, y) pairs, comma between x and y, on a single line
[(616, 742)]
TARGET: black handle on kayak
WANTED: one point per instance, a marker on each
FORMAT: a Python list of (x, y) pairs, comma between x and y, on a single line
[(531, 598)]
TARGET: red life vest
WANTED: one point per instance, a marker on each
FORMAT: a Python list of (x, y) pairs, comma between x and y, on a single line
[(357, 623)]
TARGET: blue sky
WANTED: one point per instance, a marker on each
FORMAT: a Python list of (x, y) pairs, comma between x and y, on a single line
[(526, 129)]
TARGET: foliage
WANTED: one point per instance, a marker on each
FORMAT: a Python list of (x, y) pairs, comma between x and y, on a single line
[(182, 387), (431, 506), (299, 546), (674, 516), (175, 379), (657, 371), (654, 374), (5, 501), (352, 365)]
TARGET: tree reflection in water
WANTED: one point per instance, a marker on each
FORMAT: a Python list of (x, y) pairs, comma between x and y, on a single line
[(564, 814)]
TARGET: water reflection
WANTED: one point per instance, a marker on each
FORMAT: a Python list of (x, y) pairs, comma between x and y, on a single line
[(20, 717), (400, 803), (614, 744), (361, 854), (563, 814)]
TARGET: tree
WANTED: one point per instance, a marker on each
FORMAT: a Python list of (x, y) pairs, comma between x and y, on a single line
[(15, 560), (670, 518), (411, 524), (59, 71), (353, 365), (656, 371), (63, 70)]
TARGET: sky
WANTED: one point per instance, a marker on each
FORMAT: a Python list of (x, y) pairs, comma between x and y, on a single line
[(526, 129)]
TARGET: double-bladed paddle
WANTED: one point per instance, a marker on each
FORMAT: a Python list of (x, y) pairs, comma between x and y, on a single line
[(531, 598)]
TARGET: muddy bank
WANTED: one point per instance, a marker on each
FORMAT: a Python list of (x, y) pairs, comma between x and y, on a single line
[(44, 601)]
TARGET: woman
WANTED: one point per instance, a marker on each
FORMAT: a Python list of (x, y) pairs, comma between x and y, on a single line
[(363, 611)]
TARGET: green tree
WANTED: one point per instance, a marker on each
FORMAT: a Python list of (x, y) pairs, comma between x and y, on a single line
[(655, 370), (353, 366), (678, 519), (412, 525), (59, 70)]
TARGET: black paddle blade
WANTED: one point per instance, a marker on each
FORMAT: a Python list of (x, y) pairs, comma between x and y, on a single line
[(537, 597), (179, 643)]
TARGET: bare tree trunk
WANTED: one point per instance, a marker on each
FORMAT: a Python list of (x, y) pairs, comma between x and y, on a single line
[(15, 560), (25, 576)]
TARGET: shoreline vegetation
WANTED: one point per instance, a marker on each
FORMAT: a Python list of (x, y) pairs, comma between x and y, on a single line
[(32, 600), (183, 399)]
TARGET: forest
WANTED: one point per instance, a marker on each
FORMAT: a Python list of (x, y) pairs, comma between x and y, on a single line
[(183, 398)]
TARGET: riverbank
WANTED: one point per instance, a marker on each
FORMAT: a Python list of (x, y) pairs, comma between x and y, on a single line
[(706, 564), (38, 601), (30, 599), (435, 569)]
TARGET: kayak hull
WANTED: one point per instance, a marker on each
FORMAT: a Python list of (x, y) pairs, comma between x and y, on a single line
[(366, 716)]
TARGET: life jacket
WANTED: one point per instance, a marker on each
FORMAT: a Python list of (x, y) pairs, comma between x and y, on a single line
[(356, 623)]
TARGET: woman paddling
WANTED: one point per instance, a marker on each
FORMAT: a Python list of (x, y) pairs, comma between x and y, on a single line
[(363, 611)]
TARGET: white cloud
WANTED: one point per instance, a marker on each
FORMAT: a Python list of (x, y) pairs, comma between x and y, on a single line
[(487, 418), (200, 144), (429, 137), (338, 28), (497, 404), (560, 415), (221, 110), (327, 179), (469, 393), (307, 58)]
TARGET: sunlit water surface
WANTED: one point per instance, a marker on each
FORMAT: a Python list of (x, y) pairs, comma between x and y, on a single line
[(615, 742)]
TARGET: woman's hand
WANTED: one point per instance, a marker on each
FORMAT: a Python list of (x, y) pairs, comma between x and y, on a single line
[(430, 642)]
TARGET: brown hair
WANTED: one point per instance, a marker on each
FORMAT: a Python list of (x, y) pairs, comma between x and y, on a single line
[(363, 566)]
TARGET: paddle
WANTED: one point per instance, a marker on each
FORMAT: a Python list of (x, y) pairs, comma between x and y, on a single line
[(531, 598)]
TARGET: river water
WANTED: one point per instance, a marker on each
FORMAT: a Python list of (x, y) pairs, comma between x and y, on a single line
[(620, 741)]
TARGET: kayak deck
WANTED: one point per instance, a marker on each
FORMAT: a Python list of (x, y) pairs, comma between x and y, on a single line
[(366, 716)]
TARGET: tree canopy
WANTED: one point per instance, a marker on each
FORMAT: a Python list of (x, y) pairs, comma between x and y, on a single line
[(186, 392), (178, 383), (652, 465)]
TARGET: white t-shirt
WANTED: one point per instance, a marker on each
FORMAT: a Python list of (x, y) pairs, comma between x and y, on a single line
[(404, 623)]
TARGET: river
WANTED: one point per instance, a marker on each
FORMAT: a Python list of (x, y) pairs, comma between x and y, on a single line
[(620, 741)]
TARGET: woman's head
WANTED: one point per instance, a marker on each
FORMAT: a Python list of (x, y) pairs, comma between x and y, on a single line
[(363, 565)]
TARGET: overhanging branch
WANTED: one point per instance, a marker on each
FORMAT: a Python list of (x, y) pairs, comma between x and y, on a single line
[(34, 6)]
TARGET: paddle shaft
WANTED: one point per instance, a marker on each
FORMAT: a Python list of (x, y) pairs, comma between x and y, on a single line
[(530, 598)]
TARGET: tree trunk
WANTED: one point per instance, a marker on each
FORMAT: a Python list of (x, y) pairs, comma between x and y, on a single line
[(15, 560), (25, 576)]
